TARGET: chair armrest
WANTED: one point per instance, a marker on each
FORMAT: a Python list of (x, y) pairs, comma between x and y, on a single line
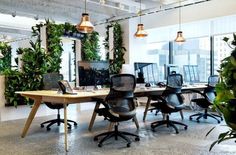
[(197, 91), (101, 101), (157, 97)]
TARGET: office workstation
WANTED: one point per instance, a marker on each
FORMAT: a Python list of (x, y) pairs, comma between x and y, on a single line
[(127, 77)]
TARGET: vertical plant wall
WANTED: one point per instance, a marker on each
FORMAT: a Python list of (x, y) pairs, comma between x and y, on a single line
[(5, 62), (37, 61), (118, 48), (90, 48)]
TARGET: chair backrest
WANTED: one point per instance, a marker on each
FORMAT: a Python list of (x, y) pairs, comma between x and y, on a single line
[(121, 93), (210, 90), (173, 96), (174, 80), (213, 80), (50, 81)]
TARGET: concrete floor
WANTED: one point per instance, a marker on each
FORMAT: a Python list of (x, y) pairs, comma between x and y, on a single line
[(162, 142)]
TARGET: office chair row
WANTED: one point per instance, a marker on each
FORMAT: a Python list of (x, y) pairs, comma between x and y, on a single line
[(119, 105)]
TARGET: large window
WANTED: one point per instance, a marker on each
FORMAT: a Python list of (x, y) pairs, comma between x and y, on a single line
[(193, 59), (159, 53), (221, 50)]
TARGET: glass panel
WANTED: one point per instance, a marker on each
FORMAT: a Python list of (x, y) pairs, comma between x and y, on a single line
[(221, 50), (193, 59), (159, 53)]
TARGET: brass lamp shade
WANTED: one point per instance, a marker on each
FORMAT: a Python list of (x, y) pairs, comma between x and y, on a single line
[(85, 26), (179, 37), (140, 33)]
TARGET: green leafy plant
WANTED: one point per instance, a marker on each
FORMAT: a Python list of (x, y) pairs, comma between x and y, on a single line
[(37, 61), (5, 62), (90, 47), (225, 100), (118, 49)]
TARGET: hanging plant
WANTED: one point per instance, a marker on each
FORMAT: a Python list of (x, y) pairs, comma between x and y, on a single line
[(118, 48)]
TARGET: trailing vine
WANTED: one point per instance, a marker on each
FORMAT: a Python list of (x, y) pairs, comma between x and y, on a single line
[(118, 48)]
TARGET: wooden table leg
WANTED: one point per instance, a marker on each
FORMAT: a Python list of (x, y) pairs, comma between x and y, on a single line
[(65, 126), (30, 118), (93, 116), (136, 122), (146, 108)]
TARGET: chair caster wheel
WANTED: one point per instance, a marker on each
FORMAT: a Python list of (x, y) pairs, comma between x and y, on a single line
[(221, 119), (177, 132), (218, 122), (69, 127), (75, 124), (137, 139), (95, 138), (48, 129), (185, 128), (198, 121), (42, 126), (128, 145), (190, 118), (99, 145)]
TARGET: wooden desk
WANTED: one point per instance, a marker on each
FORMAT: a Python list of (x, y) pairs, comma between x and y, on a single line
[(82, 96)]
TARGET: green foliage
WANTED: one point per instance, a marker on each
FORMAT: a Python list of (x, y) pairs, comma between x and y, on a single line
[(231, 134), (118, 49), (13, 82), (90, 48), (37, 61), (34, 66), (5, 62), (225, 100), (54, 46)]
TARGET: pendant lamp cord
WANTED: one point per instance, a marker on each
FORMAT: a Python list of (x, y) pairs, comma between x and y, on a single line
[(85, 6), (179, 15), (140, 12)]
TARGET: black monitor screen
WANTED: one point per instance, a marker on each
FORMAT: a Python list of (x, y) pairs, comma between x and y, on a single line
[(146, 72), (93, 73)]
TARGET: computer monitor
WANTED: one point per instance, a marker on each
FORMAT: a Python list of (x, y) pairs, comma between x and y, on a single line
[(93, 73), (146, 72)]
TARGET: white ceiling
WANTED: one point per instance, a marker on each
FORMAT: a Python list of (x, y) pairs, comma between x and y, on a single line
[(71, 10)]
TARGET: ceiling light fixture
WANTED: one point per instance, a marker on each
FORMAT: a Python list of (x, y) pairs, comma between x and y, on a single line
[(85, 26), (140, 33), (180, 38)]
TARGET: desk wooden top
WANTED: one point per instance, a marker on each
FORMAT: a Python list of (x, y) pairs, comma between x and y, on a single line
[(96, 93)]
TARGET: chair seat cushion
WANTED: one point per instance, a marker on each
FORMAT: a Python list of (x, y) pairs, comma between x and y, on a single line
[(202, 102)]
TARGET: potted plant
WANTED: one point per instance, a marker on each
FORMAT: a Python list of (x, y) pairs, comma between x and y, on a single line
[(225, 100)]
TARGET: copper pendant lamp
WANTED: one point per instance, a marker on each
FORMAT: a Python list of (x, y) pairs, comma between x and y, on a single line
[(85, 26), (180, 38), (140, 33)]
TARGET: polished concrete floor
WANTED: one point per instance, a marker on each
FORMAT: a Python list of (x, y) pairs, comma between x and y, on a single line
[(162, 142)]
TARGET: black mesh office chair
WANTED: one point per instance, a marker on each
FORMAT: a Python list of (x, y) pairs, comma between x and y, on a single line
[(169, 102), (119, 106), (173, 80), (206, 100), (50, 82)]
